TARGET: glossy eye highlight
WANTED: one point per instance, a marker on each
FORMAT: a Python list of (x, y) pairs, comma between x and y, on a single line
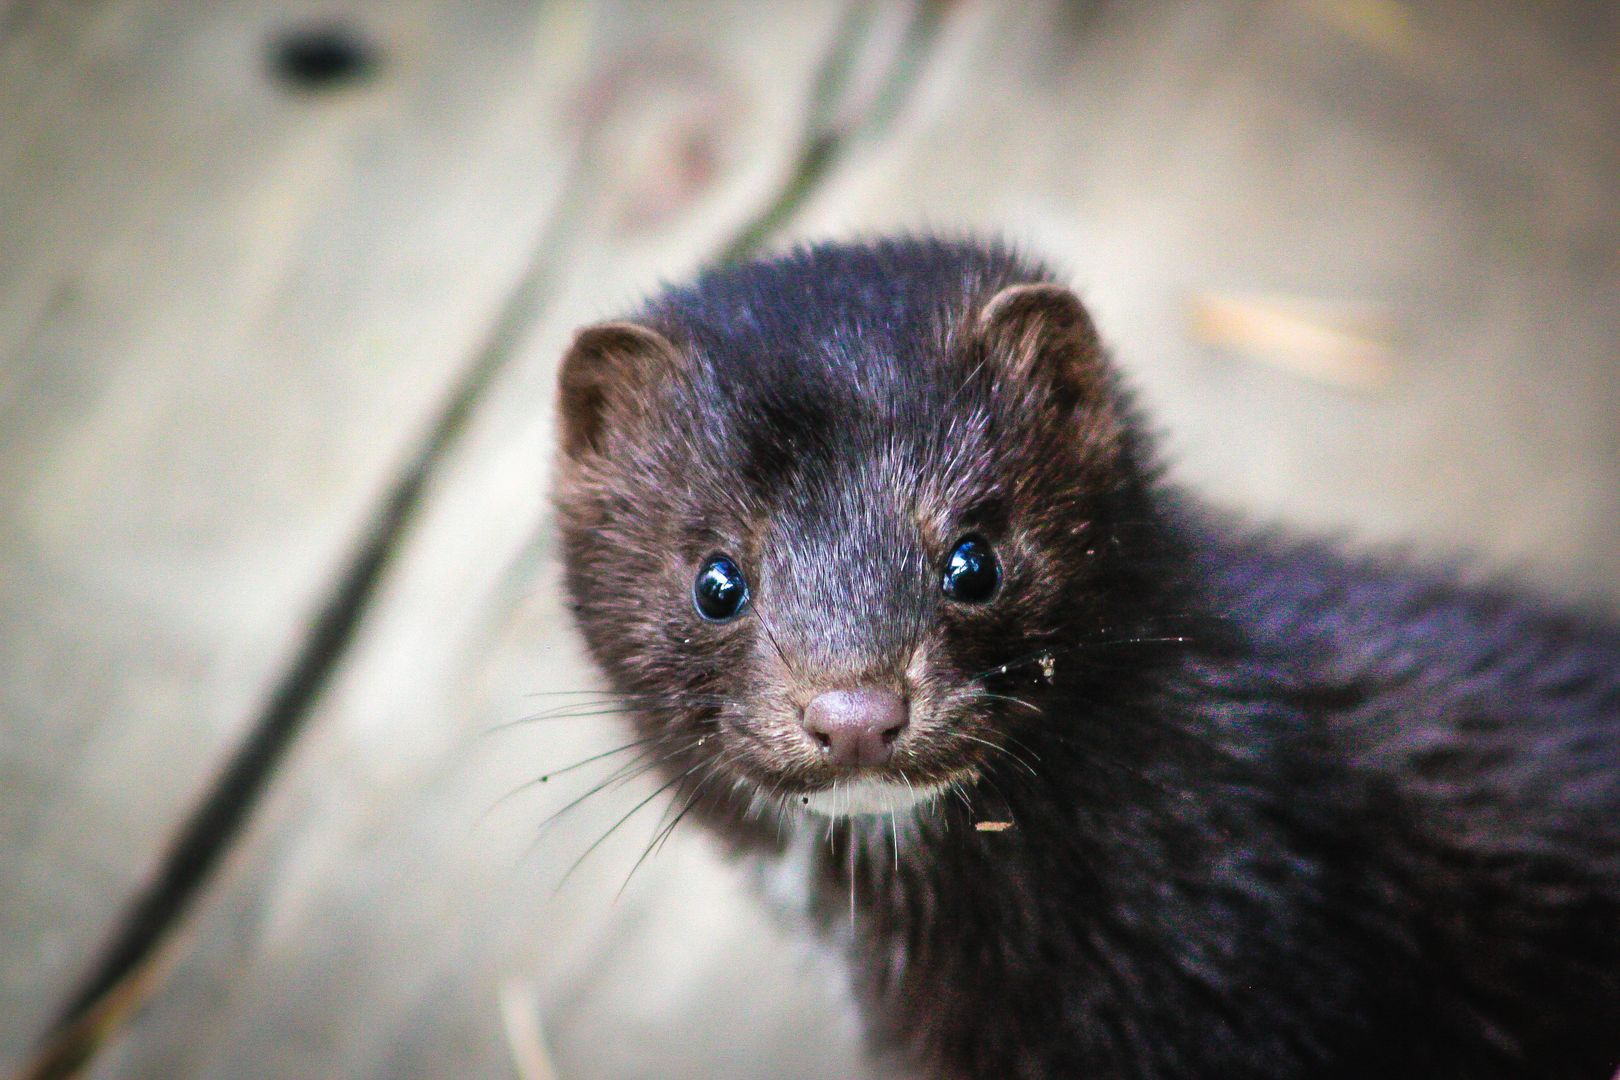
[(971, 571), (720, 592)]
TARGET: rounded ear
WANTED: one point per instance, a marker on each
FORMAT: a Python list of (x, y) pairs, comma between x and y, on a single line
[(606, 375), (1042, 332)]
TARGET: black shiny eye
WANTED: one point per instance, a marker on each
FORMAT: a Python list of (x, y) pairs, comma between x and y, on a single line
[(971, 573), (720, 591)]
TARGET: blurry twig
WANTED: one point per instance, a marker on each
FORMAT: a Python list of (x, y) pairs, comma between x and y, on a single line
[(852, 99), (70, 1048), (1340, 344), (520, 1017)]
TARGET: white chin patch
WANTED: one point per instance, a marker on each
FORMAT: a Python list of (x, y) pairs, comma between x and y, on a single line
[(850, 797)]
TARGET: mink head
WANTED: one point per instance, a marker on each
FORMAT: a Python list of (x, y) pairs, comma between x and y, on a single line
[(834, 521)]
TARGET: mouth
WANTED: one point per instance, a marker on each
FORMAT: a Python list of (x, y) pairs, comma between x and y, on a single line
[(870, 795)]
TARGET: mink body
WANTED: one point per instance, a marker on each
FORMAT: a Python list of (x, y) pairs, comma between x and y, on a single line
[(1274, 811)]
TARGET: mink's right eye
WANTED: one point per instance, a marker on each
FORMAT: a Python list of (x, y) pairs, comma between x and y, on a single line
[(971, 572), (720, 592)]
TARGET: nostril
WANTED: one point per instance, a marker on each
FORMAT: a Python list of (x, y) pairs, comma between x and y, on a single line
[(823, 739), (893, 733)]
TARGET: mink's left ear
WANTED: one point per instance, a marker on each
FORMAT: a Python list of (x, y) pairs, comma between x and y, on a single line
[(1041, 332)]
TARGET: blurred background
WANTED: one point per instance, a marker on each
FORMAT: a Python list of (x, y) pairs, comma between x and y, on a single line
[(282, 291)]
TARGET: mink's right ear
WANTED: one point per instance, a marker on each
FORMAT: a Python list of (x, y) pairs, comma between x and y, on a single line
[(606, 378)]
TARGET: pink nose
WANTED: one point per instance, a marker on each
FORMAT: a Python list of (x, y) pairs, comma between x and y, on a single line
[(856, 728)]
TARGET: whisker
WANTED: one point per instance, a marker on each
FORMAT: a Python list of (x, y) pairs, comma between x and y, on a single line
[(658, 703), (508, 725), (852, 881), (765, 626), (1177, 639), (546, 777), (658, 831), (787, 803), (598, 691), (637, 766), (1052, 652), (1030, 705), (640, 765), (584, 710), (600, 840), (997, 746), (663, 831), (690, 803)]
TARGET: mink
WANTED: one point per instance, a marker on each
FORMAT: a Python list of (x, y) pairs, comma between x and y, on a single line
[(1089, 778)]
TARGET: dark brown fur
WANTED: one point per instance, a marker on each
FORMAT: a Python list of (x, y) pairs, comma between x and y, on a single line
[(1274, 812)]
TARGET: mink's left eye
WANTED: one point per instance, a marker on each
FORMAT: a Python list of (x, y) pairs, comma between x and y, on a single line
[(971, 572)]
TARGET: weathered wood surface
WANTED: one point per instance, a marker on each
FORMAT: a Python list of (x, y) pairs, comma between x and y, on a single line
[(632, 142), (229, 314), (223, 323), (1453, 171)]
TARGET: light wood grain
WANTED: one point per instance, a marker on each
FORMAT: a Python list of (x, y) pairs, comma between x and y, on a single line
[(226, 312), (366, 924)]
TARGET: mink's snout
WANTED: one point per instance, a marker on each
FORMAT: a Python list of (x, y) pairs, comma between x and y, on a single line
[(856, 728)]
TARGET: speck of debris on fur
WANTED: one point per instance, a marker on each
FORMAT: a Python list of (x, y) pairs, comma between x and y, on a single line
[(992, 826)]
